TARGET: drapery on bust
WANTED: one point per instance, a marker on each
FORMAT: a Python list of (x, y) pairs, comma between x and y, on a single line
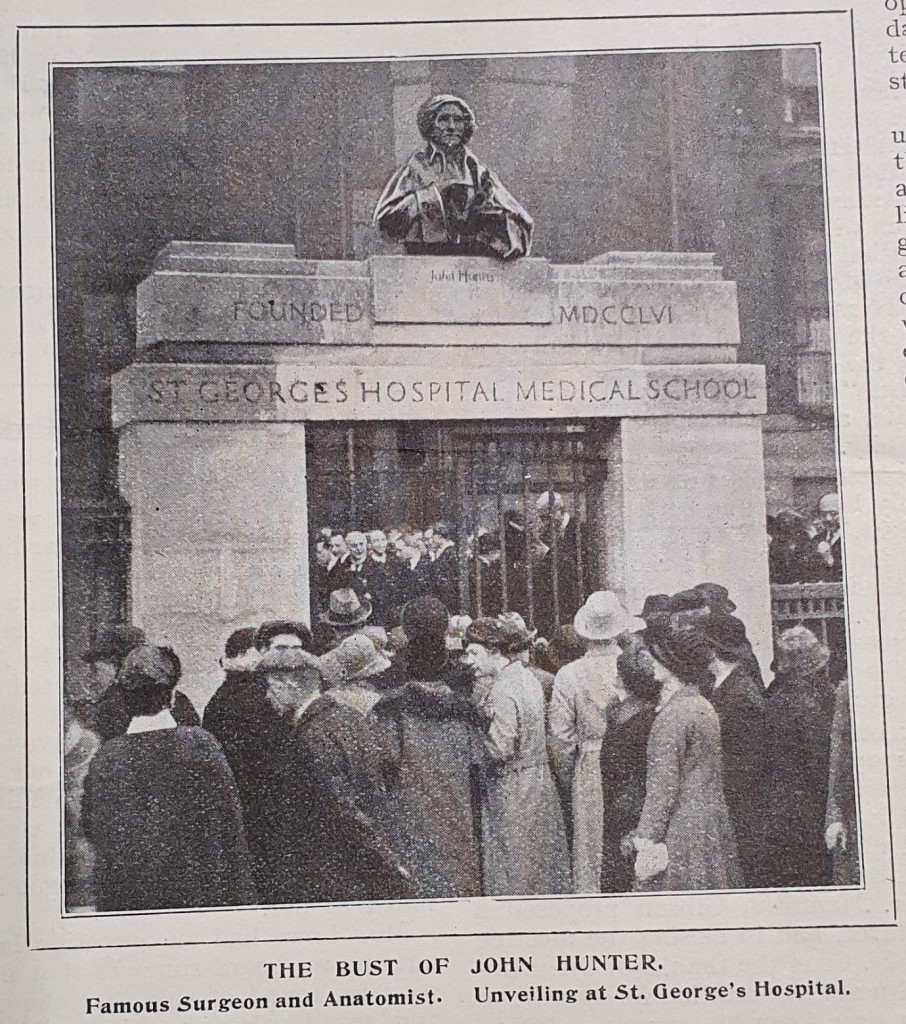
[(443, 201)]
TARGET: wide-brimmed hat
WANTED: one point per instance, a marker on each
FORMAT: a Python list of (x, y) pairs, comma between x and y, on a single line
[(717, 598), (687, 655), (726, 634), (799, 652), (603, 617), (355, 659), (425, 616), (113, 643), (345, 609), (289, 661), (146, 666)]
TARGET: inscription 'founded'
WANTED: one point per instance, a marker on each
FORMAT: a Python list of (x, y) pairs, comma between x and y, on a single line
[(259, 310)]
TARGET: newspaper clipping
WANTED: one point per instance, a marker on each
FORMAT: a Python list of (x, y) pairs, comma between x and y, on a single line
[(455, 507)]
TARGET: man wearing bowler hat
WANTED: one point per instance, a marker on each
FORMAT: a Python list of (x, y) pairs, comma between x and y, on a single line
[(346, 612)]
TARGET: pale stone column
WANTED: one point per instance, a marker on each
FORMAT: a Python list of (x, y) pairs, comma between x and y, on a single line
[(219, 533), (685, 503)]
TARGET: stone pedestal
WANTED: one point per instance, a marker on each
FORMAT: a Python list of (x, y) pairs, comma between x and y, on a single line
[(219, 531)]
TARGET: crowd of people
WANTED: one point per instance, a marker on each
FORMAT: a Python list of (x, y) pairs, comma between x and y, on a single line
[(529, 563), (451, 757), (803, 550)]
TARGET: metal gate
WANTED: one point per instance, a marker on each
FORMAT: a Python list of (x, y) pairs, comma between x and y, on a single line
[(521, 502)]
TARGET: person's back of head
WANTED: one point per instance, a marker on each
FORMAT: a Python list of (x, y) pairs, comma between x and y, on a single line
[(283, 633), (147, 678)]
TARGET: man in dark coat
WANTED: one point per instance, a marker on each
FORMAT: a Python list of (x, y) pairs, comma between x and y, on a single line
[(332, 836), (556, 548), (797, 754), (352, 570), (739, 700), (383, 573), (248, 729), (841, 831), (444, 567), (433, 747), (161, 807)]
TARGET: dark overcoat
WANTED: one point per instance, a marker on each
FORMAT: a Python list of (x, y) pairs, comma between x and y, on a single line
[(433, 751), (841, 794), (797, 747), (740, 705), (249, 730), (623, 764), (163, 814), (334, 834)]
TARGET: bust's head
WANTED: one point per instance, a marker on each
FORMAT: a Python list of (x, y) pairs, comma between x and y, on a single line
[(447, 121)]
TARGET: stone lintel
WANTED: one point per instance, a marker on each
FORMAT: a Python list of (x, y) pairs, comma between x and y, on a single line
[(160, 392)]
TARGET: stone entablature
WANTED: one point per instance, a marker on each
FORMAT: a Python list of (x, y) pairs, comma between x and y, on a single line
[(202, 294)]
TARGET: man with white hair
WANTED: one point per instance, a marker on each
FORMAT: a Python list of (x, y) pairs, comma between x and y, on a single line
[(828, 538), (384, 574), (555, 545), (352, 568)]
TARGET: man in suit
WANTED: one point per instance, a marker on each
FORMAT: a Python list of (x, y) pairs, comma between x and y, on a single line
[(350, 571), (555, 537), (384, 575), (444, 566)]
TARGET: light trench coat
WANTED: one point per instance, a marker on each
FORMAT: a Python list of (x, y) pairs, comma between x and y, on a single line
[(577, 722), (523, 839)]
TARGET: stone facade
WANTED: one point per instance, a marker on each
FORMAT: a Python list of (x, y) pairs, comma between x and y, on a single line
[(212, 417)]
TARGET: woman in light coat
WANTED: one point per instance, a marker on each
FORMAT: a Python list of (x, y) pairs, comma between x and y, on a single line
[(577, 721), (684, 820), (523, 841)]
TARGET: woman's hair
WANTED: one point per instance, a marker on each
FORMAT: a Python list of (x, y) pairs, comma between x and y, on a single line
[(147, 699), (636, 667)]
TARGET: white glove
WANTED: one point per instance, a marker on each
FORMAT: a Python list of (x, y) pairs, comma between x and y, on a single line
[(835, 836)]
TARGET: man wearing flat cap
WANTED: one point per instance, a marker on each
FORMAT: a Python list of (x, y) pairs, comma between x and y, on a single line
[(161, 806), (443, 201), (523, 838), (333, 830)]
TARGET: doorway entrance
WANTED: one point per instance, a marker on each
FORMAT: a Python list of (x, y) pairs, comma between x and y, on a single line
[(520, 500)]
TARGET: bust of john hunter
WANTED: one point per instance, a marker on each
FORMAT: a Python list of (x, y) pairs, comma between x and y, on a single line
[(443, 201)]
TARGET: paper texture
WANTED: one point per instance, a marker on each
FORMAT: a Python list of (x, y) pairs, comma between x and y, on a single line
[(453, 500)]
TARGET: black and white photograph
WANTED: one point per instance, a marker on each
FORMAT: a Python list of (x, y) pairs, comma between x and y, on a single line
[(449, 488)]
